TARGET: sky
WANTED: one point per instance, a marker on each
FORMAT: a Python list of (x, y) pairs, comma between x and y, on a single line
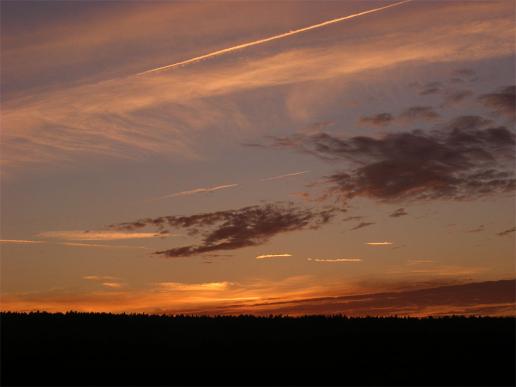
[(258, 157)]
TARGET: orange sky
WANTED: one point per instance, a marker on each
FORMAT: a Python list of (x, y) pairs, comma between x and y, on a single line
[(366, 155)]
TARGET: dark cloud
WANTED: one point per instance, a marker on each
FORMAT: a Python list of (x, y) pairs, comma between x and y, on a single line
[(399, 212), (431, 88), (466, 158), (362, 225), (234, 229), (463, 75), (481, 298), (382, 119), (419, 113), (502, 101), (465, 72), (457, 96), (477, 229), (507, 232), (352, 218)]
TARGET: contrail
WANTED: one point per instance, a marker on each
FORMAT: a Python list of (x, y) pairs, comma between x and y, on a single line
[(283, 176), (266, 256), (197, 190), (335, 260), (378, 243), (271, 38)]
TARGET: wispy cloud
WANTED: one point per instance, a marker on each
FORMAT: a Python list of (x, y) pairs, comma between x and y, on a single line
[(362, 225), (113, 285), (419, 261), (399, 212), (507, 232), (99, 235), (195, 287), (284, 176), (76, 244), (379, 243), (477, 229), (47, 127), (198, 190), (293, 296), (99, 278), (271, 38), (268, 256), (19, 241), (335, 260)]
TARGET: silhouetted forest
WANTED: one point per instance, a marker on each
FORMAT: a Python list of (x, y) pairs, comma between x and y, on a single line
[(109, 349)]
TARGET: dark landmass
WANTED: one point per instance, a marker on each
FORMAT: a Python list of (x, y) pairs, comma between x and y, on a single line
[(109, 349)]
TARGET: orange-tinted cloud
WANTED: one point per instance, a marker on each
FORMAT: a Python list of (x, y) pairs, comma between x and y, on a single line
[(268, 256), (19, 241), (98, 235), (293, 296)]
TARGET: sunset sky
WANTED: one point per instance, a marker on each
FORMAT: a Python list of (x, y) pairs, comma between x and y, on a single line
[(362, 166)]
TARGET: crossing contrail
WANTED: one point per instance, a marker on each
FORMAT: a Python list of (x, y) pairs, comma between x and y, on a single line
[(271, 38)]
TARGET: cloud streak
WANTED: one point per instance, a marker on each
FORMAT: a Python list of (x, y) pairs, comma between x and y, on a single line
[(197, 191), (379, 243), (362, 225), (336, 260), (284, 176), (399, 212), (268, 256), (270, 39), (19, 241), (507, 232), (98, 235)]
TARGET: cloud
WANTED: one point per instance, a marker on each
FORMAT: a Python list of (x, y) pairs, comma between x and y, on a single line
[(431, 88), (381, 119), (502, 101), (379, 243), (134, 117), (399, 212), (112, 285), (74, 244), (507, 232), (206, 286), (272, 38), (485, 298), (98, 235), (352, 218), (477, 229), (335, 260), (198, 190), (296, 295), (99, 278), (235, 229), (362, 225), (456, 96), (463, 159), (105, 280), (419, 113), (284, 176), (465, 72), (19, 241), (414, 113), (267, 256)]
